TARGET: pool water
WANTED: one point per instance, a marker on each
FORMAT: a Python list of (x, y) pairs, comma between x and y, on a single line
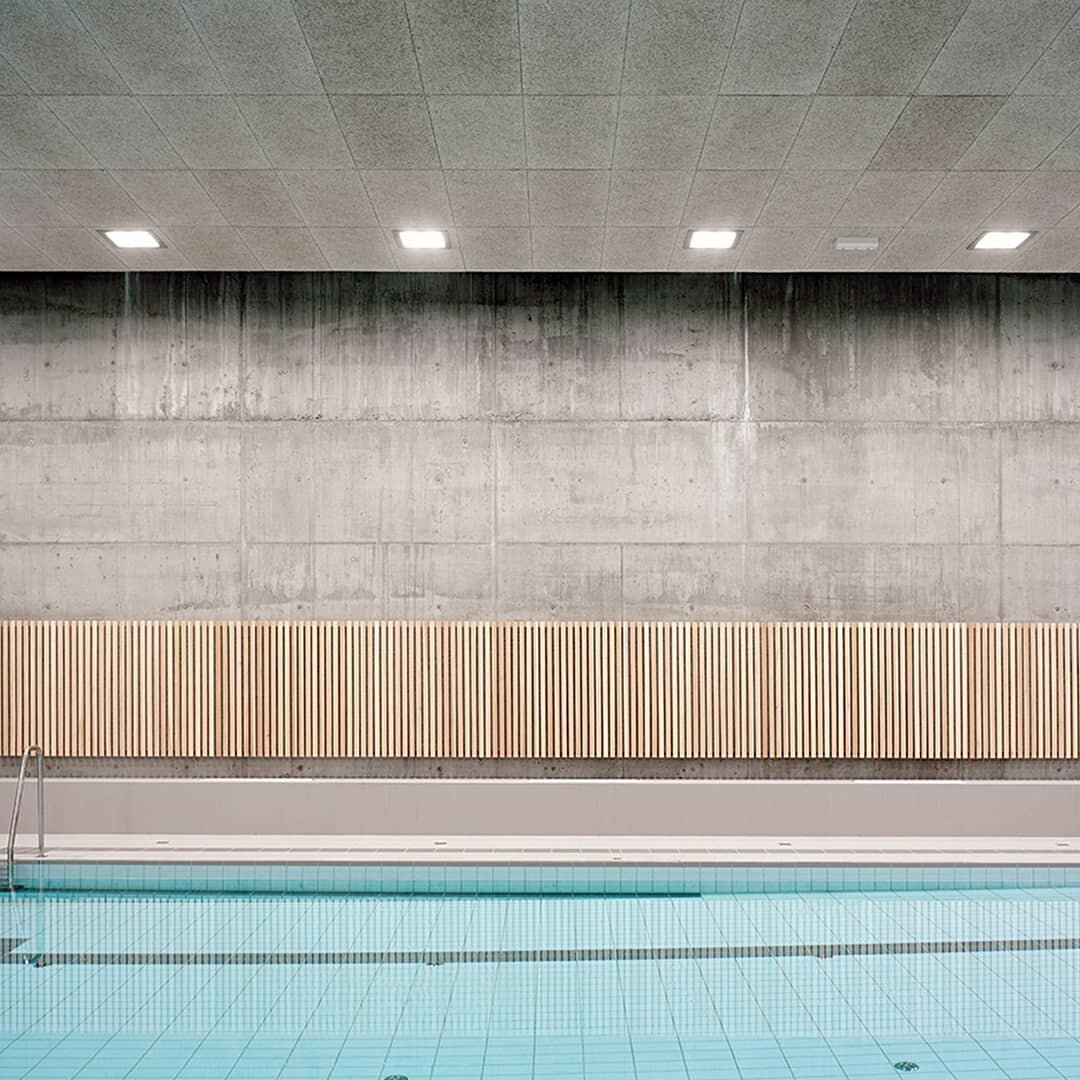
[(974, 982)]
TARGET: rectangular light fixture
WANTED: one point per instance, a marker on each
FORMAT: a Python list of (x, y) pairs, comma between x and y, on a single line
[(132, 238), (856, 243), (712, 239), (423, 239), (1000, 241)]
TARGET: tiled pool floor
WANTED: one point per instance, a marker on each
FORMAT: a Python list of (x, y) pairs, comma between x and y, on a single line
[(981, 983)]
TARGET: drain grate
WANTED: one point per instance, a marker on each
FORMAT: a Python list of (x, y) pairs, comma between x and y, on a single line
[(906, 1066)]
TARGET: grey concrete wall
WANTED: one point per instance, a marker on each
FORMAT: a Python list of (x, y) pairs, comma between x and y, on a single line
[(532, 446)]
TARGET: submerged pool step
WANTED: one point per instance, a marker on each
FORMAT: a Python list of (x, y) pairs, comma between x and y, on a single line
[(551, 880)]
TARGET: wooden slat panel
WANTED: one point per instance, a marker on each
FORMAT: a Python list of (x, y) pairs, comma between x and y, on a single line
[(432, 689)]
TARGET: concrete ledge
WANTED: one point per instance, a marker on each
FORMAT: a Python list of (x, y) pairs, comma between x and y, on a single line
[(599, 808)]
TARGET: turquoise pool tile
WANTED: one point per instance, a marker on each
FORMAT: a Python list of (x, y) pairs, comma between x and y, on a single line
[(617, 973)]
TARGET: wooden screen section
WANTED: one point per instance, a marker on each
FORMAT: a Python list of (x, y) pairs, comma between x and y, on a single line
[(559, 690)]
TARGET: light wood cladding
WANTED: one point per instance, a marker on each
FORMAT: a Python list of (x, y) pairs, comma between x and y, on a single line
[(541, 690)]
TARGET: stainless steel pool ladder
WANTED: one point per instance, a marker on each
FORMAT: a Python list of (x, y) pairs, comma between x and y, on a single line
[(28, 753)]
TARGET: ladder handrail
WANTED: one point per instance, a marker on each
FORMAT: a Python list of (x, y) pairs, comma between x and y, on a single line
[(29, 752)]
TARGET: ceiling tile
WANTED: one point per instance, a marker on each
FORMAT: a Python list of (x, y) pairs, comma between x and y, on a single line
[(387, 131), (568, 197), (807, 198), (467, 46), (10, 80), (1066, 156), (784, 53), (19, 254), (919, 248), (31, 137), (567, 249), (152, 44), (1055, 251), (22, 202), (1022, 133), (212, 247), (284, 248), (727, 198), (843, 132), (769, 249), (257, 45), (568, 47), (488, 197), (170, 196), (296, 132), (354, 249), (496, 249), (207, 132), (888, 47), (570, 132), (479, 132), (752, 131), (92, 198), (887, 198), (360, 46), (826, 257), (933, 132), (250, 197), (962, 200), (51, 50), (640, 197), (661, 132), (994, 44), (73, 249), (638, 249), (678, 46), (814, 92), (1058, 69), (118, 131), (1040, 202), (329, 197), (409, 198)]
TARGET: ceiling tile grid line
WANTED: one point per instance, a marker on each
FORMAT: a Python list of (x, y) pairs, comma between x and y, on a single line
[(614, 149), (1004, 198), (304, 132), (678, 241), (1057, 27), (375, 253), (751, 253), (438, 259), (528, 186)]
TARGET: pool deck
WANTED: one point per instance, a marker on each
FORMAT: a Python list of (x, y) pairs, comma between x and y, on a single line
[(90, 847)]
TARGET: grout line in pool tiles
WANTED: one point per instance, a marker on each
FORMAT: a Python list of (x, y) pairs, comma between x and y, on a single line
[(771, 1012)]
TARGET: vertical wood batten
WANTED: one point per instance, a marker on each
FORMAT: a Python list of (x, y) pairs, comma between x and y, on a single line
[(484, 689)]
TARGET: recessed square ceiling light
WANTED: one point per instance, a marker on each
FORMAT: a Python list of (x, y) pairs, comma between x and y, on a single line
[(856, 243), (423, 239), (132, 238), (1000, 241), (712, 239)]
